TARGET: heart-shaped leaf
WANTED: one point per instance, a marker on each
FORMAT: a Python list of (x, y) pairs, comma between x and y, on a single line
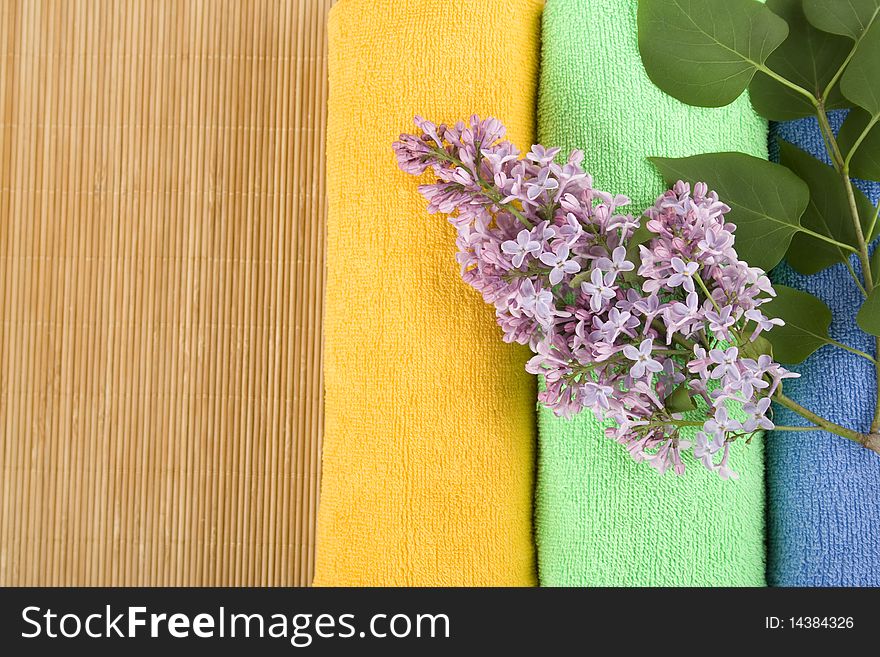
[(875, 264), (849, 18), (705, 52), (806, 324), (828, 213), (808, 57), (766, 200), (865, 162), (860, 21), (679, 400), (756, 348), (861, 80), (868, 318)]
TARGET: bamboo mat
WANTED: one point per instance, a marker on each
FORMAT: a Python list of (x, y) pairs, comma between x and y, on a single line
[(161, 269)]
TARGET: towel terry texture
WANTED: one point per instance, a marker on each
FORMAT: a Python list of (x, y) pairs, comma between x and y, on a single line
[(429, 443), (823, 506), (602, 519)]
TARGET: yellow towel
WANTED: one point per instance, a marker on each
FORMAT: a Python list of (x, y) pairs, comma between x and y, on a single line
[(430, 418)]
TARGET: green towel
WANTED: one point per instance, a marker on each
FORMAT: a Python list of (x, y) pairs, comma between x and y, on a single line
[(601, 518)]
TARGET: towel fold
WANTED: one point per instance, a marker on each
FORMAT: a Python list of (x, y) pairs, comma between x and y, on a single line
[(602, 519), (823, 502), (430, 418)]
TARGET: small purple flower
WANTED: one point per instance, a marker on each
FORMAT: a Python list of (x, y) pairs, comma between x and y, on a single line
[(719, 322), (750, 381), (618, 322), (757, 413), (683, 274), (597, 395), (617, 263), (700, 365), (669, 378), (599, 289), (559, 263), (520, 248), (762, 323), (721, 424), (703, 450), (715, 242), (544, 232), (571, 230), (538, 303), (644, 363), (724, 470), (543, 183), (649, 307), (542, 156), (725, 362), (680, 315)]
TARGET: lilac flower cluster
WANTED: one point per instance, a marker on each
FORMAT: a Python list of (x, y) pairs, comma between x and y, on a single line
[(638, 323)]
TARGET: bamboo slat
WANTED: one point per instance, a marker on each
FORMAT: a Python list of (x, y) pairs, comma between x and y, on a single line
[(161, 271)]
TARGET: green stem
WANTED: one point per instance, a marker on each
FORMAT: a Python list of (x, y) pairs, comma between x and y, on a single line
[(489, 190), (842, 166), (860, 236), (819, 421), (857, 352), (874, 220), (788, 83), (875, 423), (828, 133), (858, 142), (676, 338), (855, 277), (830, 240), (674, 352), (707, 293), (675, 423)]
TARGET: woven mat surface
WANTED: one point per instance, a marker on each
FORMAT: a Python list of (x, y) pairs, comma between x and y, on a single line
[(161, 271)]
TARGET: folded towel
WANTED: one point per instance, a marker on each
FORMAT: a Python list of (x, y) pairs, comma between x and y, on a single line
[(430, 418), (822, 490), (601, 518)]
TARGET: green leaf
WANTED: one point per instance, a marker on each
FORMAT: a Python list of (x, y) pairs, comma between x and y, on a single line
[(808, 57), (865, 162), (875, 264), (757, 347), (640, 236), (806, 324), (861, 79), (583, 277), (849, 18), (828, 213), (679, 400), (868, 318), (766, 200), (705, 52), (860, 21)]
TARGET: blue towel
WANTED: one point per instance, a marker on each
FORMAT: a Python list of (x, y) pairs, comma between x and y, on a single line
[(824, 491)]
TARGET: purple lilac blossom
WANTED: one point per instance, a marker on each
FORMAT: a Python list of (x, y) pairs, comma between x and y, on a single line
[(611, 333)]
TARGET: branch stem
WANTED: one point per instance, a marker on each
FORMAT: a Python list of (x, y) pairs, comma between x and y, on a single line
[(788, 83), (819, 421), (874, 220), (857, 352), (842, 166), (488, 190), (830, 240)]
